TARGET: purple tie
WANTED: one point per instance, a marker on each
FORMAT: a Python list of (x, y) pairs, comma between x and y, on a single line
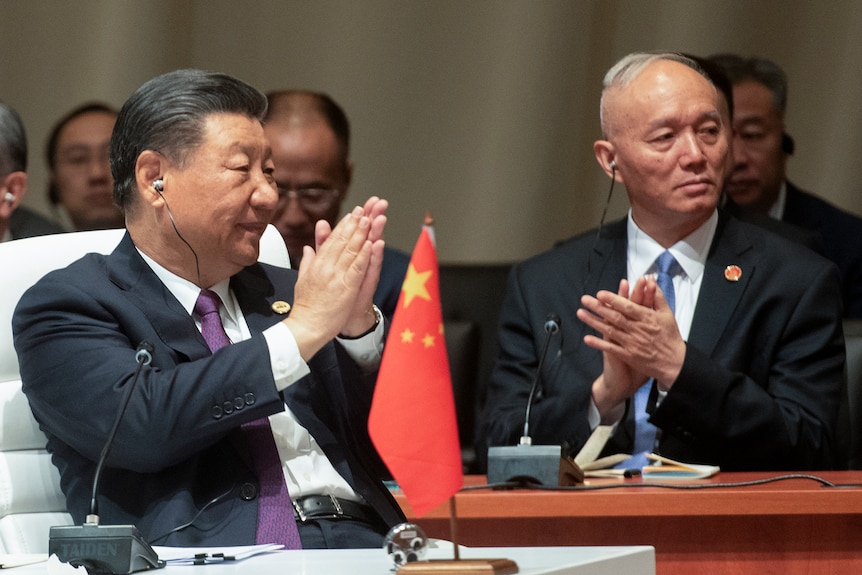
[(275, 520)]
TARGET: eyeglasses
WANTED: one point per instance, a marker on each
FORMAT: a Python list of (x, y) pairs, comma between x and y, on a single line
[(78, 157), (311, 199)]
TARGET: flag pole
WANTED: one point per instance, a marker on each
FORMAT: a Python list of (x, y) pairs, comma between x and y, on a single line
[(428, 466), (453, 527)]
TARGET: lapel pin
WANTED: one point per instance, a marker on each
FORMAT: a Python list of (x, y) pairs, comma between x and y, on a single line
[(280, 307), (732, 273)]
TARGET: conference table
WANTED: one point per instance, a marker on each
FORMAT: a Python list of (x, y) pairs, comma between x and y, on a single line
[(529, 561), (731, 523)]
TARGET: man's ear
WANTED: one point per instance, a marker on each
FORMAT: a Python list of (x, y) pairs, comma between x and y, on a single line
[(606, 157), (149, 168), (14, 183)]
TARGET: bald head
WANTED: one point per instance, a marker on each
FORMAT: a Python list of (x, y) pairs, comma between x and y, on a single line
[(666, 141), (626, 71), (295, 109)]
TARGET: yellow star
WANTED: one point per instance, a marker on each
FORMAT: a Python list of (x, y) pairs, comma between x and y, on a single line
[(407, 336), (428, 340), (414, 285)]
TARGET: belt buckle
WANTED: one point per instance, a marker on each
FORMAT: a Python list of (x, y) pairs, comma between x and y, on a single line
[(299, 511), (338, 510), (303, 516)]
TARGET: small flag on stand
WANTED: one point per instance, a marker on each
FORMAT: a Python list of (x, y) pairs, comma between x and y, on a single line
[(412, 421)]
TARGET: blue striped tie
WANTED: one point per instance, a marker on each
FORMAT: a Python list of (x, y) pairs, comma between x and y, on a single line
[(645, 432)]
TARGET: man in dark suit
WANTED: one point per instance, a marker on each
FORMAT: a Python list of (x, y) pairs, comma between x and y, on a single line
[(193, 173), (16, 221), (738, 363), (758, 181), (310, 138)]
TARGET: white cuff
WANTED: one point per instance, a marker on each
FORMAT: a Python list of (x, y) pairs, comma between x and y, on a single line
[(288, 366), (368, 350)]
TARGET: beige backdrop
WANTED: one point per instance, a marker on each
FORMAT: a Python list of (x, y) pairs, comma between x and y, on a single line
[(483, 112)]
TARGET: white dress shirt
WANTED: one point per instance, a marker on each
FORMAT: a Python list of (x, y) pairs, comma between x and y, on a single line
[(307, 470), (690, 252), (776, 210)]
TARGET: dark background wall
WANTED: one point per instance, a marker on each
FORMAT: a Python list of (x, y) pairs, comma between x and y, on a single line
[(483, 112)]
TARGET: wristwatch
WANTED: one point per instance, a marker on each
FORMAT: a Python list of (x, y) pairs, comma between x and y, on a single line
[(378, 317)]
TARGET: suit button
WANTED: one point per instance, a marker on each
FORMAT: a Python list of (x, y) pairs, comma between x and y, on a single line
[(248, 491), (250, 398), (227, 406), (216, 412), (238, 403)]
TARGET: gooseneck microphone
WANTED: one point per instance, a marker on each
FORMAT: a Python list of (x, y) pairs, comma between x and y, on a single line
[(143, 356), (525, 463), (552, 326), (115, 549)]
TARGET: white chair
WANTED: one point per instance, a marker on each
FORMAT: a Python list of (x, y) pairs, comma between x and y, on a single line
[(30, 497)]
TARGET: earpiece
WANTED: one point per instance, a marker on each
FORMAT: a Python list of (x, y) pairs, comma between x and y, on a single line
[(9, 197), (159, 185), (613, 166)]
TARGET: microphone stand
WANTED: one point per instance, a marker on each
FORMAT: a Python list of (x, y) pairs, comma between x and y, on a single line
[(528, 463), (114, 549)]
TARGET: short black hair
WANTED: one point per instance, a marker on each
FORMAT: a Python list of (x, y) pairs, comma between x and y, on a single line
[(13, 141), (719, 78), (760, 70), (167, 115)]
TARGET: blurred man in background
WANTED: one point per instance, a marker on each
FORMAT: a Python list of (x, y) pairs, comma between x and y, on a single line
[(80, 186), (310, 138), (758, 181)]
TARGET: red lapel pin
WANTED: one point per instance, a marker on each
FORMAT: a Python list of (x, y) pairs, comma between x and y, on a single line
[(732, 273)]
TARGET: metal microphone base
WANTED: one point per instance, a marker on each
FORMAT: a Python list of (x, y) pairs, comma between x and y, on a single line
[(538, 464), (114, 549)]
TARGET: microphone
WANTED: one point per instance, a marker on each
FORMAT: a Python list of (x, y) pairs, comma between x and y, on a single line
[(528, 463), (552, 326), (144, 354), (114, 549)]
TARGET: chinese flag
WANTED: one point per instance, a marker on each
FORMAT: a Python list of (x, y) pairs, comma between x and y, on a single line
[(412, 421)]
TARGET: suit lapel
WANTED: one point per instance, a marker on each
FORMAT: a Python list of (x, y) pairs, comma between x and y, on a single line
[(719, 292), (253, 290), (607, 264), (719, 296), (605, 268), (256, 294), (130, 272)]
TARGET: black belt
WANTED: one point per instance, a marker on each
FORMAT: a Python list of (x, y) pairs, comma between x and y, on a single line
[(329, 507)]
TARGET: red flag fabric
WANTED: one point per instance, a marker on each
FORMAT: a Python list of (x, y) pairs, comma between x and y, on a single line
[(412, 421)]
